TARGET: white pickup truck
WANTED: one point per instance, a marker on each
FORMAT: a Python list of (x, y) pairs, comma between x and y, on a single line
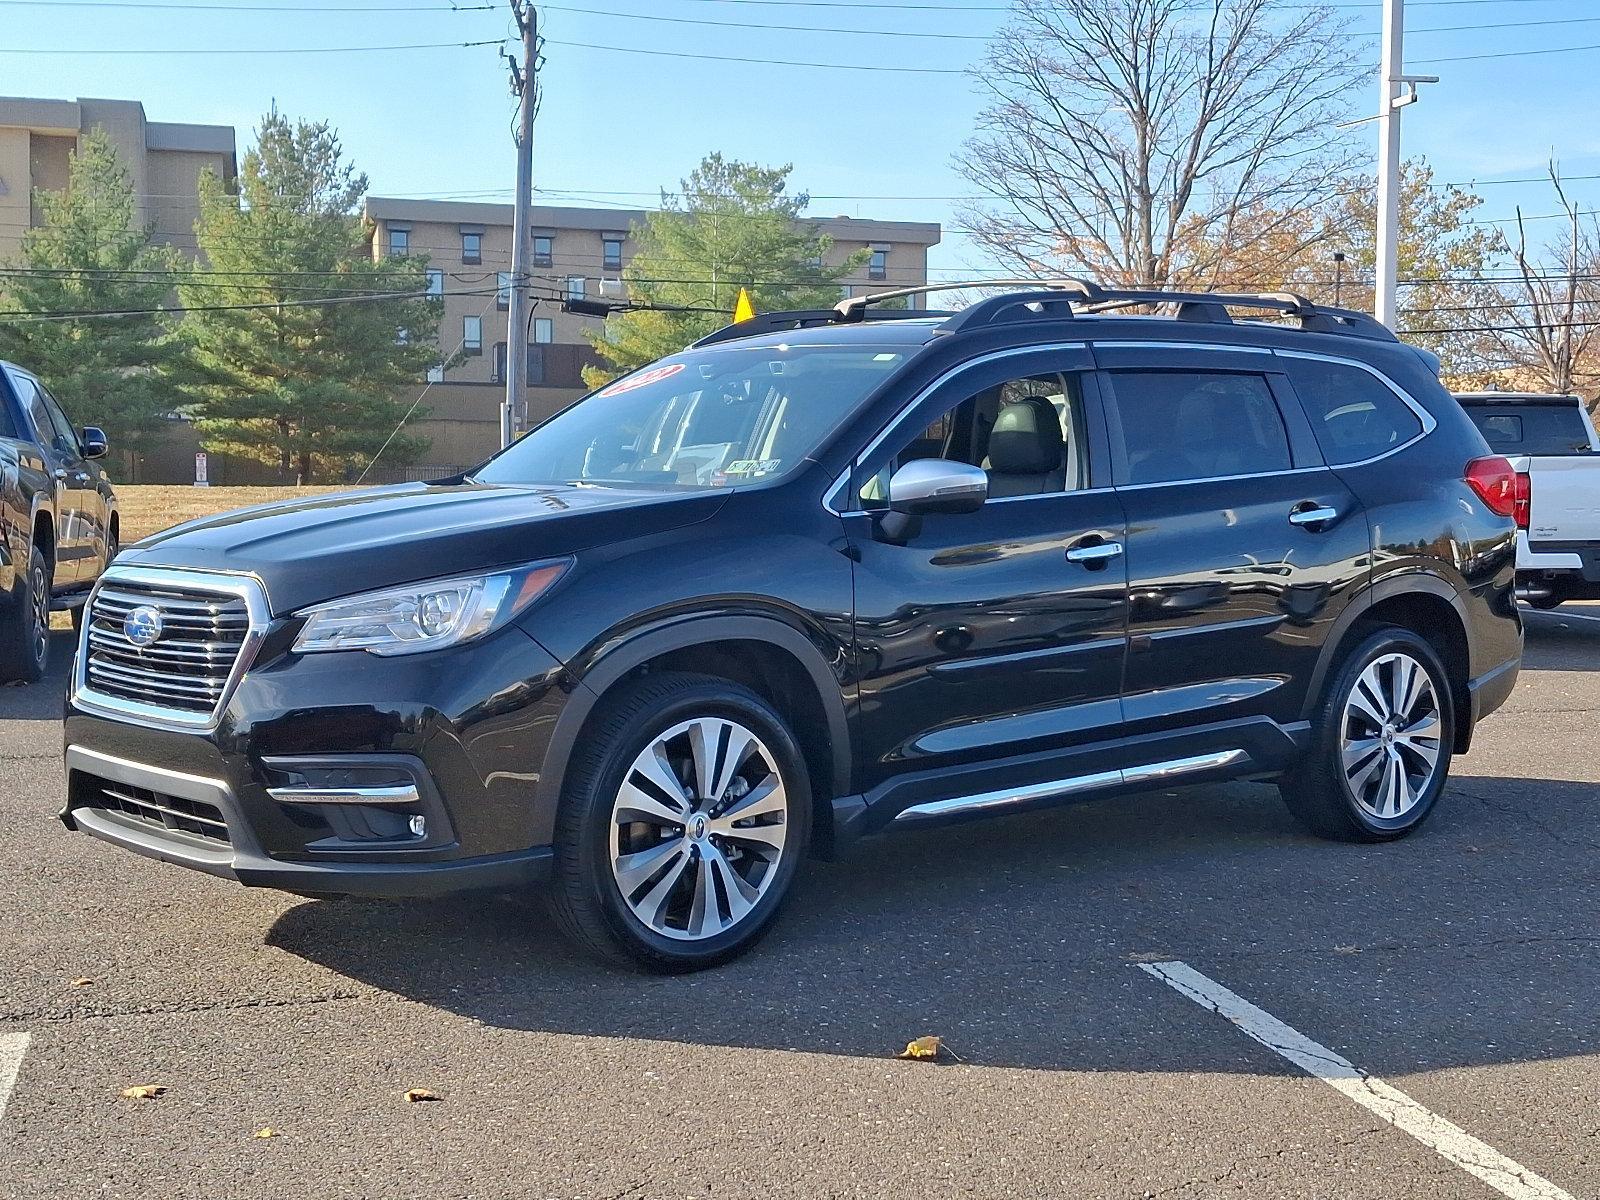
[(1551, 440)]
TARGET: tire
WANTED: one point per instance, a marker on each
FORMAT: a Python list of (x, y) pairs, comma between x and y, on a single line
[(713, 884), (25, 624), (1375, 800)]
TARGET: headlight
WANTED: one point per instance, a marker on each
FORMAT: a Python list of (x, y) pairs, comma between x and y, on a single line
[(425, 616)]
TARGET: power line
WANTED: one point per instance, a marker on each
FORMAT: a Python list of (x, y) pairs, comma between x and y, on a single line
[(188, 50), (768, 62), (235, 8), (1455, 58)]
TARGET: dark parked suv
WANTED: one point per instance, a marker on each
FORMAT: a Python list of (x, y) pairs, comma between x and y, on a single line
[(820, 575)]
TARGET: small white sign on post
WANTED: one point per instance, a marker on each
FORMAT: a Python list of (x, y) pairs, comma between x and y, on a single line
[(200, 479)]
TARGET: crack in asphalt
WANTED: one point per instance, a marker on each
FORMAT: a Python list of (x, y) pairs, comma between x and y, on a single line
[(155, 1010), (1228, 1172), (1511, 810)]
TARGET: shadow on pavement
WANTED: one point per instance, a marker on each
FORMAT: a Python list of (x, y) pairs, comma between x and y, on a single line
[(1017, 941), (41, 701), (1562, 639)]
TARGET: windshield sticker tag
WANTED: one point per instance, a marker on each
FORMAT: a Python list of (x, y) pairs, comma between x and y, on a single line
[(643, 379), (752, 466)]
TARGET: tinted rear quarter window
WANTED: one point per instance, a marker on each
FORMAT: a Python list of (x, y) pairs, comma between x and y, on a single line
[(1354, 414), (1179, 425), (1538, 429)]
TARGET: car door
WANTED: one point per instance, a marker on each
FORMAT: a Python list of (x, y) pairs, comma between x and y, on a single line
[(77, 497), (1241, 544), (92, 498), (1001, 631)]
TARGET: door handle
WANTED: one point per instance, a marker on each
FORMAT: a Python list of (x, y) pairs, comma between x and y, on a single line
[(1320, 515), (60, 472), (1100, 552)]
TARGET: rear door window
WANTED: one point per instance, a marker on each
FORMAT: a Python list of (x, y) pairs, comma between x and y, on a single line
[(1354, 414), (1187, 425), (1538, 429)]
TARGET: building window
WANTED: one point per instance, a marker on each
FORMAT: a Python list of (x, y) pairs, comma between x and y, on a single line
[(544, 251), (878, 265), (472, 248), (472, 335), (815, 261), (435, 281), (399, 242), (497, 363), (544, 330), (576, 287), (536, 374), (402, 337), (612, 257), (436, 373), (502, 289)]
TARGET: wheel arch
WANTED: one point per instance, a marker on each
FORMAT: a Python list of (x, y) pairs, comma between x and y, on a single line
[(771, 657), (1428, 605)]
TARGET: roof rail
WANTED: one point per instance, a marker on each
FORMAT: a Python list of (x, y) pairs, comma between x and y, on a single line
[(1065, 299)]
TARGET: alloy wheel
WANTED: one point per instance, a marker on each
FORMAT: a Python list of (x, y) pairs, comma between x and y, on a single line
[(40, 640), (698, 829), (1390, 742)]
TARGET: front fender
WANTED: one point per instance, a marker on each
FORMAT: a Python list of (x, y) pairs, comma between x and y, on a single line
[(613, 659)]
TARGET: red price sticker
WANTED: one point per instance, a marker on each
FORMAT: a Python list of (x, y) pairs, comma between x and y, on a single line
[(643, 379)]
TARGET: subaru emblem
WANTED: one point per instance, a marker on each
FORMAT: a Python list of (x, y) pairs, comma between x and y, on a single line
[(142, 626)]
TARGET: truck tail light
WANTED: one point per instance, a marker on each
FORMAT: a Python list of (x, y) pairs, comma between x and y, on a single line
[(1524, 500), (1502, 490)]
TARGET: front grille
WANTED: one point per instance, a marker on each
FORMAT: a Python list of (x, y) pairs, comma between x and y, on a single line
[(157, 809), (187, 668)]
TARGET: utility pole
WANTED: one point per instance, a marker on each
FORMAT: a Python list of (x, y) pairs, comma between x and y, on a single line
[(1391, 64), (1393, 82), (525, 85)]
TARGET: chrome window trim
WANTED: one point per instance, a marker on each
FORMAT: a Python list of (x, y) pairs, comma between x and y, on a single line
[(835, 493), (248, 588)]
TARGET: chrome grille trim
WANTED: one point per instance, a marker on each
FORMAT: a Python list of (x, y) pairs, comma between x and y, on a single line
[(182, 682)]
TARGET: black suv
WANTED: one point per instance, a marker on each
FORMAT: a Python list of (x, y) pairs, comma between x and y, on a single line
[(822, 574)]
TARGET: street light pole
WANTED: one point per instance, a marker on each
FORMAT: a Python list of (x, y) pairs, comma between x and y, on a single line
[(525, 82), (1392, 79)]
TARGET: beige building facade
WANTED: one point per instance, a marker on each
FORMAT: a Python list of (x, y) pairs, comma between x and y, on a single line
[(579, 252), (164, 161)]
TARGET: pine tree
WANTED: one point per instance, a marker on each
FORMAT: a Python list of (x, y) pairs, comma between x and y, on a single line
[(91, 255), (303, 367), (732, 226)]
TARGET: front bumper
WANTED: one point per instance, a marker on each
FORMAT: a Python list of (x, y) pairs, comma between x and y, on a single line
[(340, 774)]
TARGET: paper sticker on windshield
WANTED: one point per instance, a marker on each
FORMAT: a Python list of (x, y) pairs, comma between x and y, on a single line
[(643, 379), (752, 466)]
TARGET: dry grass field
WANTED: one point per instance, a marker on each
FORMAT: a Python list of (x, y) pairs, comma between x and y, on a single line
[(148, 508)]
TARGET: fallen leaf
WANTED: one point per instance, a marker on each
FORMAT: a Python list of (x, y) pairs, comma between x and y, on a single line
[(266, 1132), (923, 1047), (418, 1095), (145, 1091), (1347, 949), (85, 981)]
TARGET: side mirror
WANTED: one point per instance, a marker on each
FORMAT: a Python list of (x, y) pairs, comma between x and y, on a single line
[(94, 442), (936, 485)]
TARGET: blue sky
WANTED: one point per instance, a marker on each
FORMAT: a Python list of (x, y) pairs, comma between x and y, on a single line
[(614, 127)]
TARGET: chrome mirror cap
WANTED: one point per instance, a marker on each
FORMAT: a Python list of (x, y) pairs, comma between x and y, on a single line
[(937, 485)]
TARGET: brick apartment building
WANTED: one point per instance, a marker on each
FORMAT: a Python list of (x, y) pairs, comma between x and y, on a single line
[(164, 160), (576, 251)]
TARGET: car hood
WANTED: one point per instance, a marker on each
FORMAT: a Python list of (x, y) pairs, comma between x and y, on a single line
[(321, 547)]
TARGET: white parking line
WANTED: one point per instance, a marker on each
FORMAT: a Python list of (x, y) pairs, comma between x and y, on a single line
[(1392, 1105), (12, 1047)]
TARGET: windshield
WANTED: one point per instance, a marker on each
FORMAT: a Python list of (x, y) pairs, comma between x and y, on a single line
[(702, 419)]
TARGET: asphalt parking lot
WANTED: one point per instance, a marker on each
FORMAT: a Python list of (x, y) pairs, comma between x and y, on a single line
[(1459, 967)]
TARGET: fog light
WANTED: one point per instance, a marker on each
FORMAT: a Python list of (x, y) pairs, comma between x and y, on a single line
[(419, 826)]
